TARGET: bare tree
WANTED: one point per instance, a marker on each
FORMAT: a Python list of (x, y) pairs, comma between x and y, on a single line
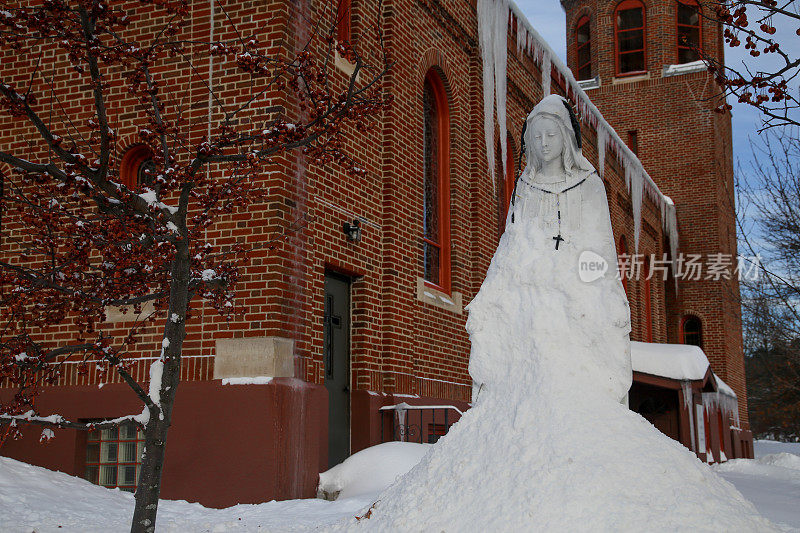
[(83, 241), (772, 86), (769, 228)]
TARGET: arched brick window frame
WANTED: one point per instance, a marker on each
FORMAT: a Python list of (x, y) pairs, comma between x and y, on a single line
[(689, 31), (505, 180), (133, 165), (648, 301), (691, 330), (344, 17), (624, 262), (630, 38), (583, 48), (436, 182)]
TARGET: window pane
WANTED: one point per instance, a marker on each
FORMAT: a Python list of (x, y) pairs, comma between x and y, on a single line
[(687, 55), (688, 35), (631, 40), (632, 62), (688, 15), (583, 34), (91, 474), (108, 452), (630, 18), (93, 452), (108, 475), (431, 167), (431, 258), (127, 452), (127, 431), (109, 434), (127, 475), (585, 73), (584, 60)]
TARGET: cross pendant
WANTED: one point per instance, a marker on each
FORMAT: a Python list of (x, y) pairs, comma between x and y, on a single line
[(558, 240)]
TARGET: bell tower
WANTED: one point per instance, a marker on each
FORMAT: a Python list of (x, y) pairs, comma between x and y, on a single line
[(640, 63)]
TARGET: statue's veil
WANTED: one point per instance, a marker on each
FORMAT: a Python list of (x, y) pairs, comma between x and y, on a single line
[(558, 109)]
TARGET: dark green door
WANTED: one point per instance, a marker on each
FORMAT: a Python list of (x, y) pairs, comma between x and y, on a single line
[(336, 344)]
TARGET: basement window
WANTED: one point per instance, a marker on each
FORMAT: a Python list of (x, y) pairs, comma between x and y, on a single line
[(114, 456)]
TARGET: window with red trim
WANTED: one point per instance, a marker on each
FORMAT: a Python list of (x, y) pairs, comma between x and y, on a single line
[(689, 31), (648, 309), (691, 331), (343, 20), (506, 187), (436, 168), (136, 166), (114, 456), (583, 46), (624, 261), (630, 35)]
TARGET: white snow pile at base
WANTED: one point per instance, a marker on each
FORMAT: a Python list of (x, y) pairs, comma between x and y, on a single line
[(371, 470), (767, 447), (37, 499), (784, 459), (676, 361)]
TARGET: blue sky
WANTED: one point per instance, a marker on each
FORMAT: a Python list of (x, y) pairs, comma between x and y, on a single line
[(548, 18)]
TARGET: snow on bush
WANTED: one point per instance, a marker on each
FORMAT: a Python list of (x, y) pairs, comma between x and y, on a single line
[(370, 471)]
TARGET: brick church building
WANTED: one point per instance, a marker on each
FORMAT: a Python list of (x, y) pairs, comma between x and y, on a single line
[(354, 328)]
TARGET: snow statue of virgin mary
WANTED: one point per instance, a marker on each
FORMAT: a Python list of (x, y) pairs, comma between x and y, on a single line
[(552, 305), (547, 444)]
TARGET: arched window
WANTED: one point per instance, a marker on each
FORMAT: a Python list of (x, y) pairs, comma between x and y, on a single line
[(629, 30), (436, 169), (691, 331), (648, 303), (343, 20), (689, 32), (583, 45), (505, 181), (624, 261), (136, 166)]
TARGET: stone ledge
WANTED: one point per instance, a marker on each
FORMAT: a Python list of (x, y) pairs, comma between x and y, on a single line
[(630, 79), (254, 357), (437, 298)]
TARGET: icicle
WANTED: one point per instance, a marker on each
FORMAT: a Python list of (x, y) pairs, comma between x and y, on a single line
[(500, 42), (602, 136), (547, 66), (686, 387), (486, 25), (522, 39)]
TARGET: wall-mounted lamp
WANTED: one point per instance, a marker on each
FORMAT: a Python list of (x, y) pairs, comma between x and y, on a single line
[(352, 230)]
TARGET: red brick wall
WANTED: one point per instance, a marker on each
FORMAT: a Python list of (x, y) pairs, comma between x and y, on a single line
[(399, 344)]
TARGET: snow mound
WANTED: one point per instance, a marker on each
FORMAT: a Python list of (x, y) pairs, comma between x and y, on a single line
[(370, 471), (766, 447), (601, 467), (786, 460)]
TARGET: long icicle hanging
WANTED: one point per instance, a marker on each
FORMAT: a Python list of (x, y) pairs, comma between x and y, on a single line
[(486, 25), (500, 41)]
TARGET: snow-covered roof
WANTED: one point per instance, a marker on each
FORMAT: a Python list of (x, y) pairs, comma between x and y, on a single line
[(723, 387), (493, 22), (682, 362)]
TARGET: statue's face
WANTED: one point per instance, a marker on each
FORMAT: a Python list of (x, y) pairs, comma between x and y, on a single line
[(547, 140)]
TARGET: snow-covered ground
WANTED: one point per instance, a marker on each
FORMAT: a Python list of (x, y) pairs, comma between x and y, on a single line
[(771, 481), (35, 499)]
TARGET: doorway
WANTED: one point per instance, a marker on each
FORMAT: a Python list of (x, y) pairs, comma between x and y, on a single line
[(336, 355)]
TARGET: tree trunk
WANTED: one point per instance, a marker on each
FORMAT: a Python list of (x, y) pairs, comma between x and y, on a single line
[(155, 433)]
